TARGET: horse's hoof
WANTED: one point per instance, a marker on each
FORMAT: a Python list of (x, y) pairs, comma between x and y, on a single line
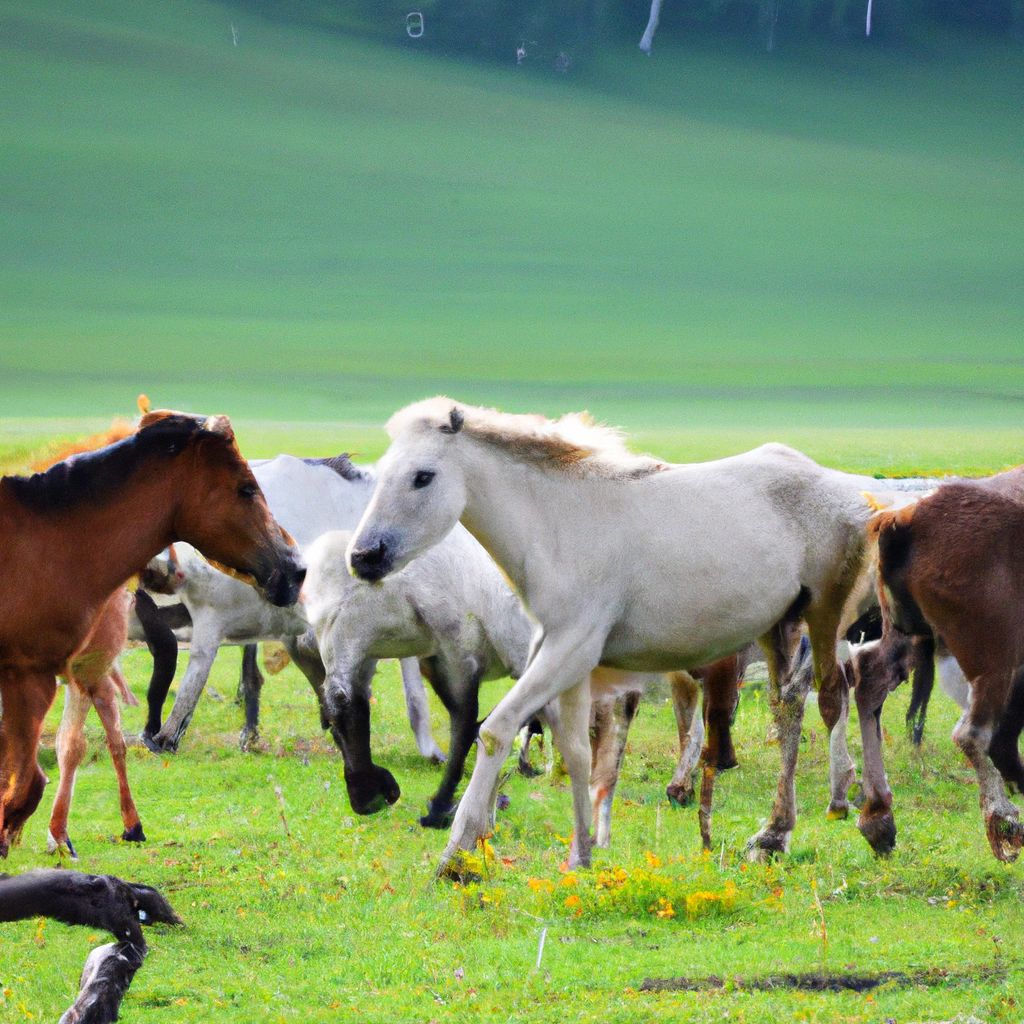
[(461, 867), (768, 844), (438, 817), (149, 741), (837, 811), (61, 846), (1005, 836), (679, 795), (160, 744), (247, 740), (527, 770), (879, 830), (134, 834), (372, 791)]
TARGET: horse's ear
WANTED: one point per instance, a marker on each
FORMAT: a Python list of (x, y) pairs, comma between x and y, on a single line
[(149, 418), (219, 425), (455, 421), (144, 404)]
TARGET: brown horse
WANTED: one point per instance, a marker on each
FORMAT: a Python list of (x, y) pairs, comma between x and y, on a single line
[(951, 567), (74, 534), (946, 576)]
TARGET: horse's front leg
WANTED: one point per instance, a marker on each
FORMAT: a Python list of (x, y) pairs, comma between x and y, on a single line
[(572, 739), (418, 710), (973, 735), (163, 646), (459, 691), (347, 696), (876, 821), (250, 684), (206, 639), (842, 772), (26, 699), (787, 694), (557, 663), (690, 725), (71, 748), (602, 790)]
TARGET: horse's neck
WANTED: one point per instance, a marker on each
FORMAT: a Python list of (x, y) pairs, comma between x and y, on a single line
[(515, 511), (108, 541), (501, 613)]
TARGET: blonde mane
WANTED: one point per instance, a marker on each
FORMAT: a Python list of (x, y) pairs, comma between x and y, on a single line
[(573, 441)]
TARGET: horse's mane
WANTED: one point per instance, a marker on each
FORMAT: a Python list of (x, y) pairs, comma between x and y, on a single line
[(94, 475), (342, 465), (573, 441), (117, 431)]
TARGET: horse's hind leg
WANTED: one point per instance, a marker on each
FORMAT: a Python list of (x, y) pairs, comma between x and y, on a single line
[(973, 735), (786, 696), (251, 684), (418, 710), (690, 725), (26, 699), (163, 646), (105, 701), (1004, 749), (462, 706), (71, 747), (612, 721)]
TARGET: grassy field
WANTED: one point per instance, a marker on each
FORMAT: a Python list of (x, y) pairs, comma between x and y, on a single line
[(308, 227), (712, 248), (296, 909)]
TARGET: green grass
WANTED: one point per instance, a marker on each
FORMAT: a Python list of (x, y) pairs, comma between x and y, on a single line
[(334, 918), (323, 915), (314, 227)]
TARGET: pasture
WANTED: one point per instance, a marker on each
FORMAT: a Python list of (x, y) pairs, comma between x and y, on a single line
[(312, 226), (296, 909), (710, 248)]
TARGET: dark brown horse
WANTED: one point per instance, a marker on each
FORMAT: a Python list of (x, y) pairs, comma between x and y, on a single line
[(72, 535), (951, 568)]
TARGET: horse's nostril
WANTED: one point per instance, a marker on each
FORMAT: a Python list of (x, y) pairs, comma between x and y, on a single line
[(300, 576)]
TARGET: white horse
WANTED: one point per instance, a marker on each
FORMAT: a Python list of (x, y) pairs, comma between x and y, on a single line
[(308, 497), (628, 562), (451, 609)]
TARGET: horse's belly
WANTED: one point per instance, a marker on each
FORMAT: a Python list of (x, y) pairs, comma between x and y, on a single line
[(686, 637)]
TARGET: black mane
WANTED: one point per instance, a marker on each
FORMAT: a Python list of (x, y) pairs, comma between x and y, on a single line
[(94, 476), (342, 465)]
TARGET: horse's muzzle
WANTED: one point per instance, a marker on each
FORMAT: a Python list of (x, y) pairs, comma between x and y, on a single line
[(284, 583), (373, 563)]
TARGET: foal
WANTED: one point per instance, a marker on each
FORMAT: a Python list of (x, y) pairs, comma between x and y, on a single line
[(74, 534), (953, 566), (94, 680)]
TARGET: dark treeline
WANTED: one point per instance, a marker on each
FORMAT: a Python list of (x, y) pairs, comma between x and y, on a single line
[(549, 29)]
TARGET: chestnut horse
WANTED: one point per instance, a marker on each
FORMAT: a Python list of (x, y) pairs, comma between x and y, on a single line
[(74, 534)]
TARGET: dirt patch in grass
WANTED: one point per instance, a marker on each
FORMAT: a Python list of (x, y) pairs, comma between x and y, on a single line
[(815, 982)]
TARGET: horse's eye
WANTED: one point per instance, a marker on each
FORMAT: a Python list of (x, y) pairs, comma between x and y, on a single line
[(247, 491), (422, 478)]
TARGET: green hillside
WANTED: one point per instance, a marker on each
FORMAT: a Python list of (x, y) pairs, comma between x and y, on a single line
[(308, 226)]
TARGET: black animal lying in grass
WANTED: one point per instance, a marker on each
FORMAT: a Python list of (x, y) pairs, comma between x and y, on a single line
[(98, 901)]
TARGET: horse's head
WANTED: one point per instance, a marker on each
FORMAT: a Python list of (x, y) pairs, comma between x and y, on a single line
[(220, 507), (419, 496)]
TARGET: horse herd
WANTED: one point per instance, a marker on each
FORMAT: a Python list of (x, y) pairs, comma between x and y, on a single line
[(486, 544)]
